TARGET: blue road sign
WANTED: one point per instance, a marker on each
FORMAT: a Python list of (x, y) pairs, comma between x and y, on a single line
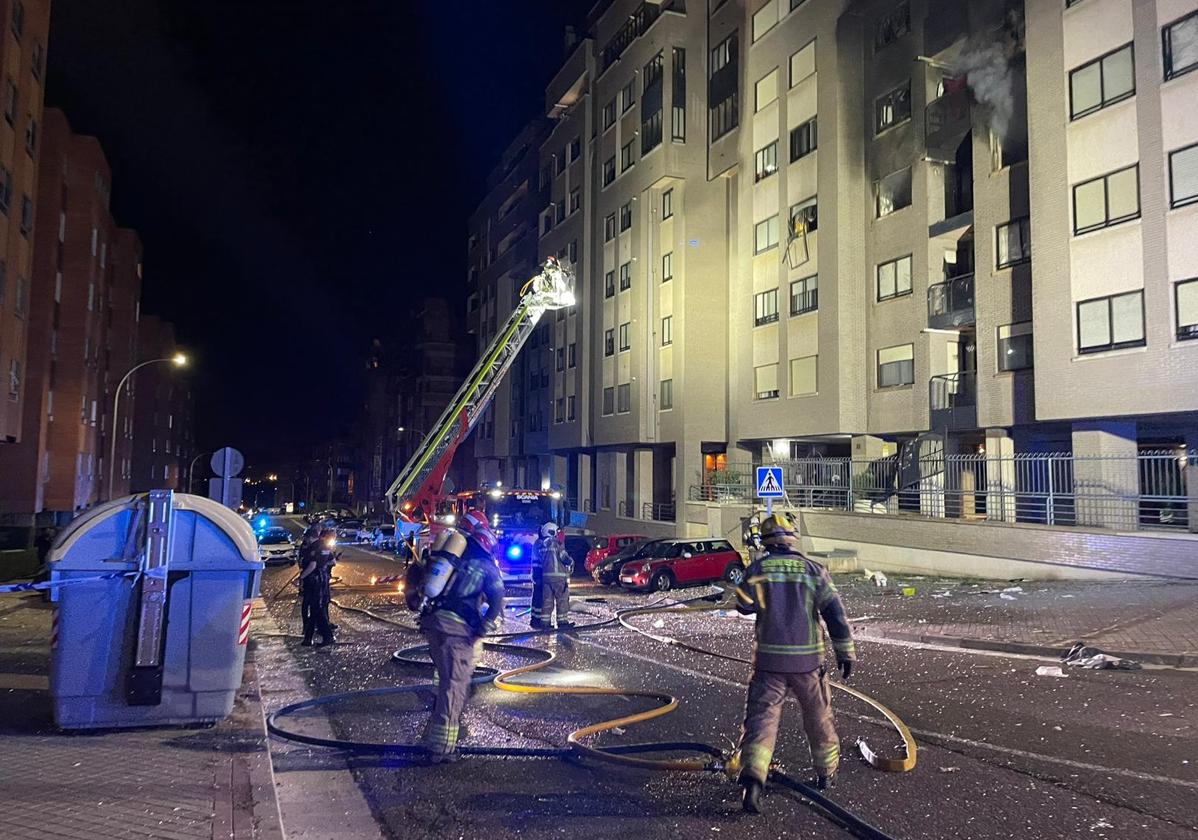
[(769, 483)]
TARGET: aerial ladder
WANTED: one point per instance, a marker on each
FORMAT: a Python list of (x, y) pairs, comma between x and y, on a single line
[(414, 494)]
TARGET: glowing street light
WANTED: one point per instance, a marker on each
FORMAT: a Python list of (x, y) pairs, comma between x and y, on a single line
[(178, 360)]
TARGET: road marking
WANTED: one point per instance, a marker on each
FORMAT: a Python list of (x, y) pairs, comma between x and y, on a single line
[(923, 733), (24, 682)]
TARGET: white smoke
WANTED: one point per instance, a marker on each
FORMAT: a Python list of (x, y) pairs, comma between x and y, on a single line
[(987, 71)]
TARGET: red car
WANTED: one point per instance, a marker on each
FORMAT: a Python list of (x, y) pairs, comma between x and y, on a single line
[(682, 562), (604, 547)]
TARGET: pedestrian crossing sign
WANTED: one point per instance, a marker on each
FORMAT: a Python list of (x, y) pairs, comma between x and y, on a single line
[(769, 483)]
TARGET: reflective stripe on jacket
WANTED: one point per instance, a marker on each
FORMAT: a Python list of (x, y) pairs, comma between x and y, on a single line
[(554, 562), (790, 593)]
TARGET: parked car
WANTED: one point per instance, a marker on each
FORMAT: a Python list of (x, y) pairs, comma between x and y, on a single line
[(383, 538), (682, 562), (604, 547), (607, 573), (352, 531), (275, 545)]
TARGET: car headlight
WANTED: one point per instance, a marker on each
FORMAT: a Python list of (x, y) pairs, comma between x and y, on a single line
[(645, 567)]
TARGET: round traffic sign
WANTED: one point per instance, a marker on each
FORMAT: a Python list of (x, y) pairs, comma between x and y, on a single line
[(227, 462)]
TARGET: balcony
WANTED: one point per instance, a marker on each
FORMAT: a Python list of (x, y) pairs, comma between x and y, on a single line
[(953, 401), (950, 304), (946, 119)]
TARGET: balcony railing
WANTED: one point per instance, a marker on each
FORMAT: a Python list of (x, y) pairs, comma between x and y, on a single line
[(952, 399), (947, 119), (950, 304), (658, 511)]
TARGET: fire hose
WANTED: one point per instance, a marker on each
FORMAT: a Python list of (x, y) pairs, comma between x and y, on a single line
[(709, 758)]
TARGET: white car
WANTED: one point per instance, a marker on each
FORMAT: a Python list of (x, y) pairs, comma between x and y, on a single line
[(384, 537), (353, 531), (276, 546)]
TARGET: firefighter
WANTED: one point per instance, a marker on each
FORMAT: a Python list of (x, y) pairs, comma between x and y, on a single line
[(556, 566), (462, 576), (314, 608), (789, 595)]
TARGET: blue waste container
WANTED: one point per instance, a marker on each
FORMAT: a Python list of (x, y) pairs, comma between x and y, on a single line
[(200, 599)]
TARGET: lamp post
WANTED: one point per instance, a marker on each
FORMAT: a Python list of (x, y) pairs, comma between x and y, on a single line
[(191, 471), (178, 360)]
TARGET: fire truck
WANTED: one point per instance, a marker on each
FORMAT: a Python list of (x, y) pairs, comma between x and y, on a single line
[(417, 496), (515, 515)]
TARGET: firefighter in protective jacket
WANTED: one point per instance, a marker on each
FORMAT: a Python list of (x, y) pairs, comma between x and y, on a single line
[(463, 576), (789, 595), (555, 567)]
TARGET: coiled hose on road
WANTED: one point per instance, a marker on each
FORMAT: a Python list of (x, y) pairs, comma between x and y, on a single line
[(708, 758)]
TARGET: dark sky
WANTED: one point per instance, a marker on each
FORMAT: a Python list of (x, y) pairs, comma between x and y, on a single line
[(300, 174)]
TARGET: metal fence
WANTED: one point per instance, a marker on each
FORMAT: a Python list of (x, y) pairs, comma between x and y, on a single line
[(1124, 493)]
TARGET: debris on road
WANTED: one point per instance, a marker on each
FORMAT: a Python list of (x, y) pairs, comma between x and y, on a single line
[(949, 769), (909, 591), (1082, 656), (877, 578), (1050, 671)]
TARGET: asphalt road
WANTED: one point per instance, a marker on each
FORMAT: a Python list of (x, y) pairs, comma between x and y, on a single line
[(1003, 752)]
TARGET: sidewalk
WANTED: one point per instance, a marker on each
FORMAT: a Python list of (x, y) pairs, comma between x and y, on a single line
[(171, 783), (1150, 621)]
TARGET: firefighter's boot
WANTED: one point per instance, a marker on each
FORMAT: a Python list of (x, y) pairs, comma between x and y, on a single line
[(751, 796)]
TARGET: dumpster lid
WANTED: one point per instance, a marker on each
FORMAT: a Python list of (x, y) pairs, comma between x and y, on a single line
[(237, 529)]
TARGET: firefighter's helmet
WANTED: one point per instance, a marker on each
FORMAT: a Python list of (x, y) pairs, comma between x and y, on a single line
[(549, 529), (779, 527), (475, 524)]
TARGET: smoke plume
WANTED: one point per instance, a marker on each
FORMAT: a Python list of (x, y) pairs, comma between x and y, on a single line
[(986, 65)]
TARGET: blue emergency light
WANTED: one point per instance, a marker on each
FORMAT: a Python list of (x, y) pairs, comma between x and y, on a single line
[(263, 522), (514, 551)]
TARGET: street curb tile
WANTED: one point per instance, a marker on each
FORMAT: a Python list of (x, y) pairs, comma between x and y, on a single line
[(1172, 660)]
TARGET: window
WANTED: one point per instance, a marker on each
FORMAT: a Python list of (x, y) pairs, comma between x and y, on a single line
[(765, 382), (723, 90), (561, 162), (609, 284), (1180, 41), (892, 108), (609, 401), (628, 96), (575, 199), (5, 189), (570, 414), (802, 64), (18, 19), (1186, 295), (665, 400), (896, 366), (667, 267), (625, 216), (894, 278), (766, 90), (1015, 346), (609, 115), (1106, 200), (626, 158), (667, 204), (667, 331), (1014, 242), (765, 235), (623, 398), (572, 251), (10, 101), (804, 295), (20, 304), (723, 54), (609, 171), (767, 161), (31, 136), (609, 227), (803, 140), (1183, 176), (653, 72), (805, 214), (561, 211), (765, 307), (804, 376), (625, 338), (572, 355), (650, 133), (678, 105), (1102, 82), (625, 276), (893, 192), (893, 26), (765, 19), (724, 116), (559, 410), (560, 359), (14, 380), (1110, 323), (26, 215)]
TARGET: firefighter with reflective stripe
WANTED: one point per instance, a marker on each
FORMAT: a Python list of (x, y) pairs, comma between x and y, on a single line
[(463, 575), (555, 566), (789, 595)]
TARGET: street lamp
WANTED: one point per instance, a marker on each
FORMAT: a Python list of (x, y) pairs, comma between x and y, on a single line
[(178, 360), (191, 471)]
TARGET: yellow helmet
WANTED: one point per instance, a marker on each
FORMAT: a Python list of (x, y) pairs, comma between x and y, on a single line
[(779, 526)]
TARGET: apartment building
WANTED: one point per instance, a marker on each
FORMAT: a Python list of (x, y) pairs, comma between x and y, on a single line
[(24, 28), (162, 413), (806, 228), (58, 468), (121, 353), (502, 256)]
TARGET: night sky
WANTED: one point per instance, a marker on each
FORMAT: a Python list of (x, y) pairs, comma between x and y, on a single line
[(300, 174)]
